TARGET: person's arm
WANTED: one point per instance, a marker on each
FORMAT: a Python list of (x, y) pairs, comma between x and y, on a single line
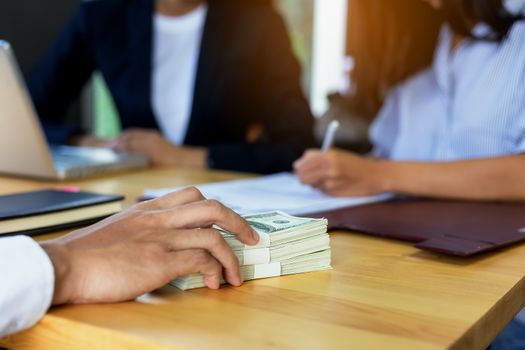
[(26, 280), (160, 151), (60, 76), (342, 173), (120, 258), (500, 178)]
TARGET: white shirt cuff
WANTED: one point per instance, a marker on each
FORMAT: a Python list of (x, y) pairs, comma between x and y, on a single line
[(27, 278)]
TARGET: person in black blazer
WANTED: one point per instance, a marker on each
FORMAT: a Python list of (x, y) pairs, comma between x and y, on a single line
[(248, 112)]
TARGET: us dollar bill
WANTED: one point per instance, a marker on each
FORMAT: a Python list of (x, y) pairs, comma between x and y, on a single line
[(278, 228), (316, 261)]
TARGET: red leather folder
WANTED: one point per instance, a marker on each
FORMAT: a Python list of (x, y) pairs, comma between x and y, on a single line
[(450, 227)]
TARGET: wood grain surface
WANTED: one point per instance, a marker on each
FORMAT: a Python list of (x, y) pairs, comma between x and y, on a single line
[(381, 294)]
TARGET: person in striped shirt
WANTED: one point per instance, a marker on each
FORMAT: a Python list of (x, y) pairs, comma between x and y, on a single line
[(456, 128)]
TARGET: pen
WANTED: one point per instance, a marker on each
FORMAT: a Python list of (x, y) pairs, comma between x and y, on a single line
[(329, 137)]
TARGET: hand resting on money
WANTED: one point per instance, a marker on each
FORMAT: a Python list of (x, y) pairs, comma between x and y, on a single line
[(145, 247)]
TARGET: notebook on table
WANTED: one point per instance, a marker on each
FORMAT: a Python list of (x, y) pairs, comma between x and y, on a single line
[(282, 192), (451, 227), (46, 211)]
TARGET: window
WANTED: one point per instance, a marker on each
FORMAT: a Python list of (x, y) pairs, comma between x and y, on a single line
[(318, 32), (299, 15)]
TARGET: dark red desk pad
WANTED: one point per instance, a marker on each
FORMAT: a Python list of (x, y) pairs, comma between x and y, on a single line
[(450, 227)]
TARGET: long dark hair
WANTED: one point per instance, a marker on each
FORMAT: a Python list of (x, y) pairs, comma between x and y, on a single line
[(458, 13), (391, 40)]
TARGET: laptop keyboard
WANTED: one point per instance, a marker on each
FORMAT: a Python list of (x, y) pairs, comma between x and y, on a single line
[(72, 162), (63, 161)]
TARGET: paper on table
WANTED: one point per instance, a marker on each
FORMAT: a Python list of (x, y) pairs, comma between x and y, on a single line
[(281, 192)]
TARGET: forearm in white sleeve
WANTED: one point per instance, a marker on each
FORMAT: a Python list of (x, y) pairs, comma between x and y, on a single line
[(26, 284)]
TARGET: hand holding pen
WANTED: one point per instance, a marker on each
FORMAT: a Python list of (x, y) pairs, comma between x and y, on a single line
[(338, 172), (329, 137), (310, 166)]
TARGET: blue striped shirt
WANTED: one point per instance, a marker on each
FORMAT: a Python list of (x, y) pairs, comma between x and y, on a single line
[(469, 104)]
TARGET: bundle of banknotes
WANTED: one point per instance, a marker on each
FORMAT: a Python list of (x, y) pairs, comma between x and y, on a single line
[(288, 245)]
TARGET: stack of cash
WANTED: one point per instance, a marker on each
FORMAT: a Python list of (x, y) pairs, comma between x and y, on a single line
[(288, 245)]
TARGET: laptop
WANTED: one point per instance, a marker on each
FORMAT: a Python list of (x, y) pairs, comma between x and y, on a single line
[(459, 228), (24, 150)]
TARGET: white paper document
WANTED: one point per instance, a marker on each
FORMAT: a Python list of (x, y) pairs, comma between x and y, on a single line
[(281, 192)]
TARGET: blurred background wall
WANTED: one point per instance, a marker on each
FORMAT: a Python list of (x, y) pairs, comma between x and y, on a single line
[(31, 26)]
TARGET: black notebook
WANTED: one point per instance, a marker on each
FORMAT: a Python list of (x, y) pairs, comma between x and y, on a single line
[(45, 211)]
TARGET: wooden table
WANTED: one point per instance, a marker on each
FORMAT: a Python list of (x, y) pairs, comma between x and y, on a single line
[(381, 294)]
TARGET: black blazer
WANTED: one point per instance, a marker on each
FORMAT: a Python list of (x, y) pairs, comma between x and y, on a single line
[(246, 75)]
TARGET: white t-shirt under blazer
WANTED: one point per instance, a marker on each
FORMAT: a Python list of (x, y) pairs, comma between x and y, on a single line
[(176, 50)]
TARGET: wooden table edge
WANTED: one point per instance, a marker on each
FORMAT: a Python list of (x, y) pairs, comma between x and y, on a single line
[(481, 334)]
